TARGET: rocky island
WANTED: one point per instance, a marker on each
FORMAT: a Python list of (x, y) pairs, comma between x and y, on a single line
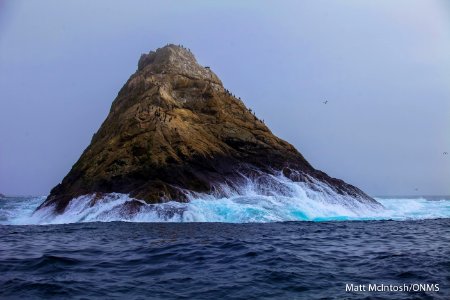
[(175, 129)]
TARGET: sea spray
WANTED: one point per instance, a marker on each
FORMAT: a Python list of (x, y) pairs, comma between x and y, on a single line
[(267, 198)]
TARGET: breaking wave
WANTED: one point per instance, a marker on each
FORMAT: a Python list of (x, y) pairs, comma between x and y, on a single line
[(272, 199)]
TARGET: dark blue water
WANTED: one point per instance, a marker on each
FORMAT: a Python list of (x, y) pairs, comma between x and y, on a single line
[(291, 260)]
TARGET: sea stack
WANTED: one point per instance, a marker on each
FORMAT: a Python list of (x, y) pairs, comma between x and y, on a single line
[(175, 129)]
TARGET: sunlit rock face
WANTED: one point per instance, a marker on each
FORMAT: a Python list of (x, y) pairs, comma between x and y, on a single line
[(174, 129)]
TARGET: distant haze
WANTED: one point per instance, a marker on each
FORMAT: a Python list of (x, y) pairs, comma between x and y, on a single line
[(383, 66)]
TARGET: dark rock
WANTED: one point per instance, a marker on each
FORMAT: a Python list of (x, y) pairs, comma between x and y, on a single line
[(174, 127)]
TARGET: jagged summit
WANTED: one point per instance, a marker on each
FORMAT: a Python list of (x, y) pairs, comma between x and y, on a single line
[(174, 128), (172, 59)]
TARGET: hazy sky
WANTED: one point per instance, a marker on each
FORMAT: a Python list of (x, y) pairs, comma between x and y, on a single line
[(384, 67)]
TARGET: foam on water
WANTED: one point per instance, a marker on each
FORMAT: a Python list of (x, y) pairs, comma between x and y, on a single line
[(265, 199)]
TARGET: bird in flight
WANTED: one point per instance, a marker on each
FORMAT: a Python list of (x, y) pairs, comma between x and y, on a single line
[(325, 102), (445, 153)]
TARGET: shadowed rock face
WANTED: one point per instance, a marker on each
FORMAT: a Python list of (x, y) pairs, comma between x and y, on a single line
[(174, 127)]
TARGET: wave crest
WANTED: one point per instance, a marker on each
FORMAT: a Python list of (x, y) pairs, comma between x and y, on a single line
[(268, 198)]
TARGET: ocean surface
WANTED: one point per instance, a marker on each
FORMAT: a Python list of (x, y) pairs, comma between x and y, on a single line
[(260, 249)]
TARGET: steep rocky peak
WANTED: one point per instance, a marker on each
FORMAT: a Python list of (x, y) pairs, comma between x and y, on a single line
[(167, 55), (174, 128), (177, 60)]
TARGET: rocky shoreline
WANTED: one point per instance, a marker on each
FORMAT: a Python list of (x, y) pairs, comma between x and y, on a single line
[(174, 128)]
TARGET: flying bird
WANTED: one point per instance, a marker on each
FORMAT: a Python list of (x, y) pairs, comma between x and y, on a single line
[(445, 153), (325, 102)]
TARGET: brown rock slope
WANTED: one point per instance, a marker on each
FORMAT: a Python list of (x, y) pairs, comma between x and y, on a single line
[(174, 127)]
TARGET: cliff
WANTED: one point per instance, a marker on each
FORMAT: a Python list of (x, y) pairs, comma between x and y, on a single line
[(174, 128)]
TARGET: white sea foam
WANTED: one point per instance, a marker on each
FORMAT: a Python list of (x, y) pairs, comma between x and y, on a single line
[(265, 199)]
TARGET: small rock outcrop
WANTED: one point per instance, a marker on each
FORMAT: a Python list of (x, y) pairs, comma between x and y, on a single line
[(174, 128)]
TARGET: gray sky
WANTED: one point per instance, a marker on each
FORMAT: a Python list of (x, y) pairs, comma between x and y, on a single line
[(384, 67)]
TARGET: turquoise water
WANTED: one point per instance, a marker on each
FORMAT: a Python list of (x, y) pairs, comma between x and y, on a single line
[(268, 198), (238, 209)]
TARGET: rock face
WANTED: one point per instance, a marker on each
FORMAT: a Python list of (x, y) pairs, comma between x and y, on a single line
[(174, 128)]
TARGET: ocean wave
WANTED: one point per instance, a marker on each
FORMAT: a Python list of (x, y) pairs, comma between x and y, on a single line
[(269, 199)]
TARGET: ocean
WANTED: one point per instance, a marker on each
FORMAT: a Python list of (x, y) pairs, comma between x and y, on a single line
[(236, 248)]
